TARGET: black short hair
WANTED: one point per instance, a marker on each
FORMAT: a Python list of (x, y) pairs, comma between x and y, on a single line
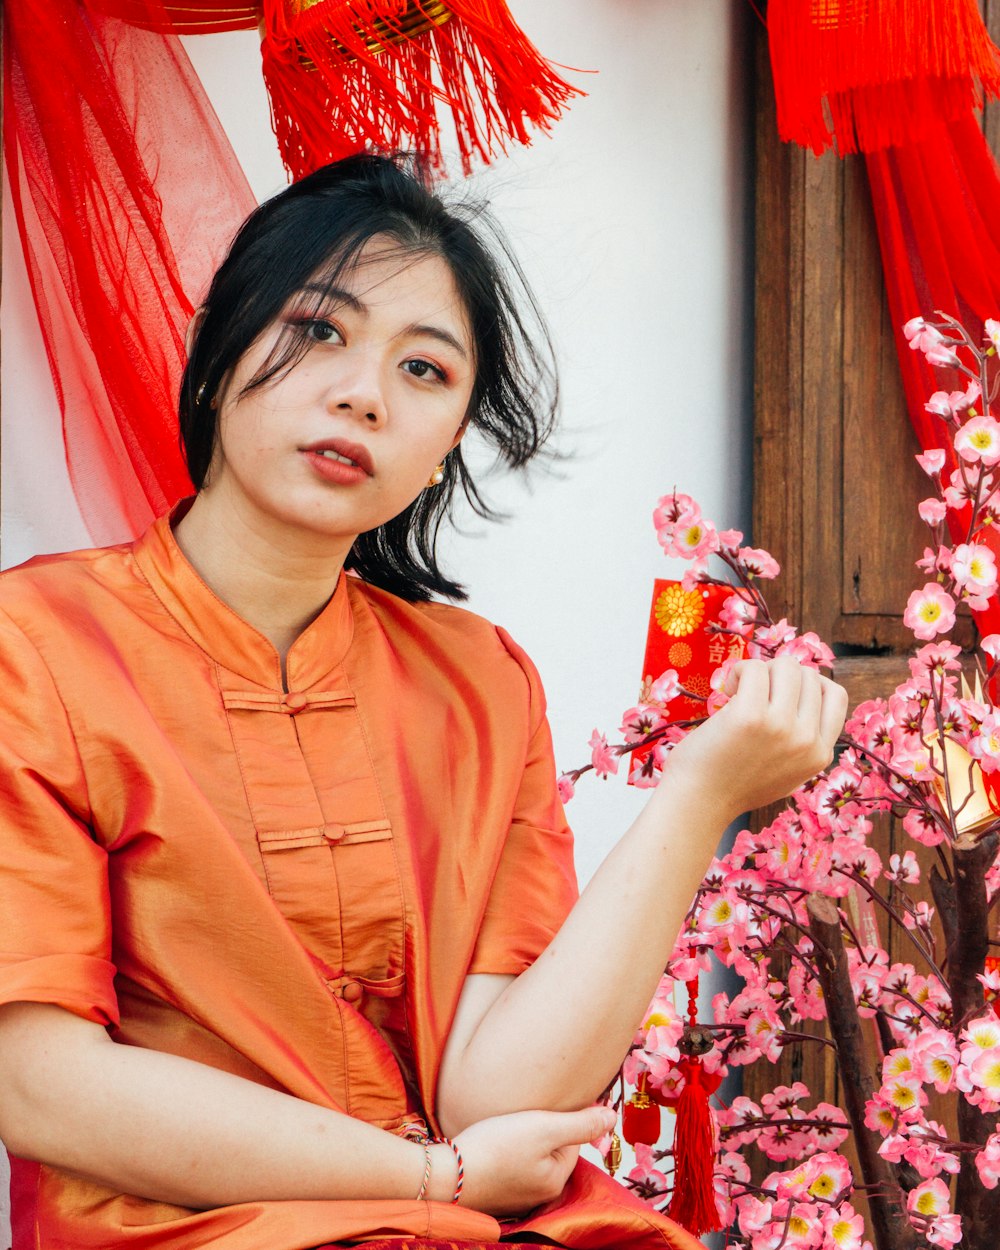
[(318, 226)]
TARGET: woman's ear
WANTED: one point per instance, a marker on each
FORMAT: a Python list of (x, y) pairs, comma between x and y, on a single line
[(461, 432), (194, 325)]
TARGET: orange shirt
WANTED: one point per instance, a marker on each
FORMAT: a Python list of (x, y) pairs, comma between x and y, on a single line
[(289, 887)]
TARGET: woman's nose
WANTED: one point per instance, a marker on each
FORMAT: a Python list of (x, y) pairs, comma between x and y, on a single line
[(359, 392)]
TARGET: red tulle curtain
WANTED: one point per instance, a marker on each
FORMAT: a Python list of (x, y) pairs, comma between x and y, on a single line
[(898, 80), (937, 205), (126, 193)]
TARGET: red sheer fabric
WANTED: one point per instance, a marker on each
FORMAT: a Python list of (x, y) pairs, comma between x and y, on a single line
[(126, 192), (937, 205)]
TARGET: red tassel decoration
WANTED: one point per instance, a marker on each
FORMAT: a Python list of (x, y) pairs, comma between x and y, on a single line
[(693, 1204), (344, 75), (872, 74)]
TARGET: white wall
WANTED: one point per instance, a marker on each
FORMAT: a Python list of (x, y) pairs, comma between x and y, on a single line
[(632, 223)]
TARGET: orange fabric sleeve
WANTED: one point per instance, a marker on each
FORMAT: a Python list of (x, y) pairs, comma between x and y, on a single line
[(535, 884), (55, 930)]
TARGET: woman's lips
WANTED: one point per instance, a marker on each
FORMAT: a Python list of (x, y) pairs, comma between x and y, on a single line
[(339, 461)]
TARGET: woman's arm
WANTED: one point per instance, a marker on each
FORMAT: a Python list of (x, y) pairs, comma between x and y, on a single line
[(555, 1036), (177, 1131)]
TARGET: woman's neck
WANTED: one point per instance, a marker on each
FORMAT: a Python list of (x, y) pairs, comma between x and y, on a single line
[(274, 577)]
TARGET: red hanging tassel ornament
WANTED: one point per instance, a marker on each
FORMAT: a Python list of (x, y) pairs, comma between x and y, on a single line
[(345, 75), (872, 74), (693, 1204)]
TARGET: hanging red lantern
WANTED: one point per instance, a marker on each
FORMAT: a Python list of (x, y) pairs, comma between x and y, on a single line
[(641, 1117), (870, 74), (182, 17), (344, 75)]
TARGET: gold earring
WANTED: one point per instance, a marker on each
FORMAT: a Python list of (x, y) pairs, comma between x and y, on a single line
[(437, 477)]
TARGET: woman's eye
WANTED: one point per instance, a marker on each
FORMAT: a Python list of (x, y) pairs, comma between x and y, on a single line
[(423, 369), (320, 331)]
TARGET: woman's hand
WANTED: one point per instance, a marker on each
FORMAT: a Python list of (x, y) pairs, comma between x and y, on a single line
[(516, 1162), (778, 729)]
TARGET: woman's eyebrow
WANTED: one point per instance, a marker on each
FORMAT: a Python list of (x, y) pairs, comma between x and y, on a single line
[(336, 296), (436, 332)]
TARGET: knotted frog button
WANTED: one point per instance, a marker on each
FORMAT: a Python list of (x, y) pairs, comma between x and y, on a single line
[(296, 701), (352, 992)]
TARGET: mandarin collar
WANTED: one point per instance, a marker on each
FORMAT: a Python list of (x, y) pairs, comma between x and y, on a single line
[(227, 637)]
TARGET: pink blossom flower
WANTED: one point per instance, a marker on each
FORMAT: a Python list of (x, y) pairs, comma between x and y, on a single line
[(640, 721), (810, 650), (920, 335), (940, 405), (991, 646), (935, 561), (566, 787), (693, 540), (666, 687), (798, 1230), (929, 612), (903, 870), (764, 1033), (932, 511), (984, 742), (988, 1159), (672, 508), (755, 562), (924, 827), (844, 1229), (738, 614), (904, 1092), (943, 357), (729, 541), (935, 1056), (920, 917), (978, 441), (770, 638), (973, 566), (645, 1172), (931, 1200), (950, 405), (937, 657), (604, 758), (993, 332), (932, 462)]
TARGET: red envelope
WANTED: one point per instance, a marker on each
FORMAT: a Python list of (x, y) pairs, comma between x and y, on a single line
[(679, 638)]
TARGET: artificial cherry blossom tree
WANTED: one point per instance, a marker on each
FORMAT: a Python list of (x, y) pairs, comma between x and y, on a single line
[(802, 909)]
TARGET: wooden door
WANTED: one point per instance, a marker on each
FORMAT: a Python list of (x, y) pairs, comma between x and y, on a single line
[(835, 480)]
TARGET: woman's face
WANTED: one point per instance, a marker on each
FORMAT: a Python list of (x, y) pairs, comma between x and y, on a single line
[(350, 435)]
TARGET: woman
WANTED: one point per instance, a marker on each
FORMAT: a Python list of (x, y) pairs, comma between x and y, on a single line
[(288, 883)]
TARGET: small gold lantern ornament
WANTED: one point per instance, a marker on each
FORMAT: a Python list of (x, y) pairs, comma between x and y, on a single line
[(350, 75), (613, 1159)]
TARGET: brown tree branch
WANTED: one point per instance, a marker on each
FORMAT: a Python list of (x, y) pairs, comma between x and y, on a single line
[(968, 942), (891, 1228)]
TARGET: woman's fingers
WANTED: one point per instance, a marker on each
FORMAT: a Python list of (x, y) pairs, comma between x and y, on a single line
[(833, 711), (574, 1128)]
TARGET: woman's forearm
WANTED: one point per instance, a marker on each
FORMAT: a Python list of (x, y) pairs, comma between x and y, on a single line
[(557, 1034), (168, 1128)]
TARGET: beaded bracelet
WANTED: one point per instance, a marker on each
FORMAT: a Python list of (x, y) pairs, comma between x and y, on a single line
[(460, 1179)]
